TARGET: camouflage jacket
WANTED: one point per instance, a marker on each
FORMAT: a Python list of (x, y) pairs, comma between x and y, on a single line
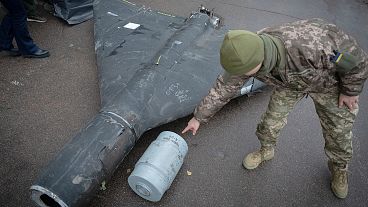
[(308, 44)]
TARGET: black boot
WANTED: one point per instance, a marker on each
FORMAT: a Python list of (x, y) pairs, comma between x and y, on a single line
[(40, 53)]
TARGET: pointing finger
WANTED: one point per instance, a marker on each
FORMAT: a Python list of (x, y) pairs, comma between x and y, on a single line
[(186, 129)]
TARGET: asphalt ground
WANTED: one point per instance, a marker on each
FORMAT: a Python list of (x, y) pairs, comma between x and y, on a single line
[(43, 103)]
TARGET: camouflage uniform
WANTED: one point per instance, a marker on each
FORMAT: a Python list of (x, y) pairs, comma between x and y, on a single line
[(308, 44)]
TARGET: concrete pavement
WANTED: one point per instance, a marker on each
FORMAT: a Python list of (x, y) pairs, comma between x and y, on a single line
[(43, 103)]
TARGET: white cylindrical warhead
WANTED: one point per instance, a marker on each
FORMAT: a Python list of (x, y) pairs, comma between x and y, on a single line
[(156, 169)]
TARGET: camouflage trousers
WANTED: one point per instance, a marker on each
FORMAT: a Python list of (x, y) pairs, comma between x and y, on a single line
[(337, 123)]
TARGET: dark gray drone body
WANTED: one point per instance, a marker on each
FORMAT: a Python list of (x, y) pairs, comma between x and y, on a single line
[(153, 68)]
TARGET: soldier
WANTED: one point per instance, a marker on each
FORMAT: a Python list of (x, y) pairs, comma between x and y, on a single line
[(308, 57)]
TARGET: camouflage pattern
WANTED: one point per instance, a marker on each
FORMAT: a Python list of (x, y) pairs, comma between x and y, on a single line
[(282, 101), (308, 44), (337, 123), (225, 88)]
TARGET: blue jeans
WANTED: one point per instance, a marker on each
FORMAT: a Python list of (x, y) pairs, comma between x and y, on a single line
[(14, 25)]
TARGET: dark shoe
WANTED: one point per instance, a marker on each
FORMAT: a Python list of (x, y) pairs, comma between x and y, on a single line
[(40, 53), (35, 18), (12, 52)]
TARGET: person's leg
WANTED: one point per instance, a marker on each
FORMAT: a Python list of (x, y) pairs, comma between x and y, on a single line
[(6, 34), (30, 7), (337, 124), (6, 38), (32, 16), (273, 120), (18, 17)]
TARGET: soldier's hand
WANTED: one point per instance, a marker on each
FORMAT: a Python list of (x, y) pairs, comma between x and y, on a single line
[(193, 126), (350, 101)]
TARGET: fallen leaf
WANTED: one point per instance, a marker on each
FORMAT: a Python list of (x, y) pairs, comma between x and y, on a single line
[(103, 185)]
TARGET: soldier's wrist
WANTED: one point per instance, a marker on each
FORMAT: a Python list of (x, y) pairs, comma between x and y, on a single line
[(199, 119)]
